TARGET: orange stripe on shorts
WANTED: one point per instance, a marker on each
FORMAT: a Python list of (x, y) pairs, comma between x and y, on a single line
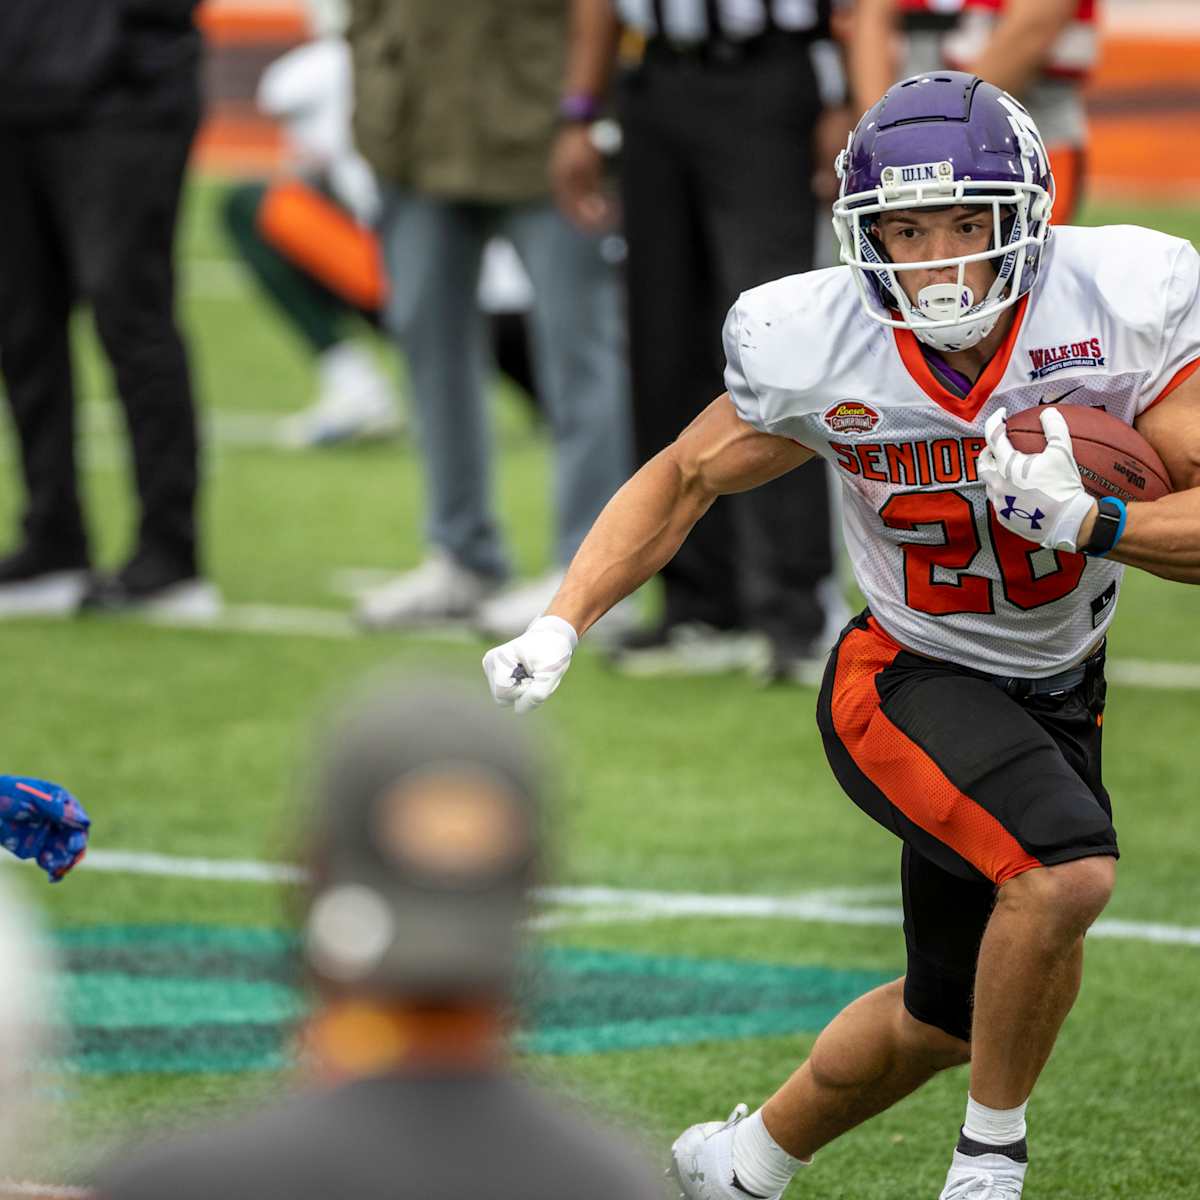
[(904, 773)]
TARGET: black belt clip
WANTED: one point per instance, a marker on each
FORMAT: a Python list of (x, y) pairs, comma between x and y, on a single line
[(1089, 674)]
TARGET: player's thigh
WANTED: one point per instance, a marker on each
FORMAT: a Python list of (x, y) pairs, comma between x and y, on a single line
[(952, 764)]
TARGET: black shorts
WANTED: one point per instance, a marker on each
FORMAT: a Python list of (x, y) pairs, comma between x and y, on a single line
[(979, 786)]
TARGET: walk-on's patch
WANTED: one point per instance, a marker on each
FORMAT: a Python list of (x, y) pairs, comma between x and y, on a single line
[(192, 998)]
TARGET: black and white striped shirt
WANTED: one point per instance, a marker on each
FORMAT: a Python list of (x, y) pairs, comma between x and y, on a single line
[(736, 20)]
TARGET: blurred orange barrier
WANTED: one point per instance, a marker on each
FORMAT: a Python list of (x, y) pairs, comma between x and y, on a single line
[(238, 143), (1156, 61), (1143, 105), (227, 21)]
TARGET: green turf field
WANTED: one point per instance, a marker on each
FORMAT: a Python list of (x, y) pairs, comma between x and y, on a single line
[(185, 742)]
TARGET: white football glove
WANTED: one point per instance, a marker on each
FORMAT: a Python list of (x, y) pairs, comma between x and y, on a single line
[(525, 671), (1039, 497)]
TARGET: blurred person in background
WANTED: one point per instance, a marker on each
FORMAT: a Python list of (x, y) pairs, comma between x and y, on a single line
[(99, 101), (457, 119), (720, 118), (1041, 51), (427, 839), (308, 238)]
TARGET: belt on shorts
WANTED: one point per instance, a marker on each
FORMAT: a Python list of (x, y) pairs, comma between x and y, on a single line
[(1019, 687)]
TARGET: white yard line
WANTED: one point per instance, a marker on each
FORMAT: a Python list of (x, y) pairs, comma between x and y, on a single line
[(330, 623), (293, 619), (51, 1191), (1163, 676), (276, 619), (610, 905), (223, 870)]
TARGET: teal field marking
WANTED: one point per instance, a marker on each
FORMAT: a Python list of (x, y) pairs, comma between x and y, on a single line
[(192, 998)]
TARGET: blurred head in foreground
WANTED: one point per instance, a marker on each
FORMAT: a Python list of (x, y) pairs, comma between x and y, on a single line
[(424, 847)]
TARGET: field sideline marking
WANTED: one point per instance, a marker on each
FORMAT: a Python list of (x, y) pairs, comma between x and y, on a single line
[(599, 905), (52, 1191), (287, 619)]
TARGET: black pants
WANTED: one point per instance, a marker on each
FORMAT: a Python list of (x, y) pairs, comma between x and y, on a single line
[(717, 198), (88, 214)]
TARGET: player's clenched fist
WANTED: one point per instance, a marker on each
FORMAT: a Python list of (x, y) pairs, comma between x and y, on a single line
[(1039, 497), (525, 671)]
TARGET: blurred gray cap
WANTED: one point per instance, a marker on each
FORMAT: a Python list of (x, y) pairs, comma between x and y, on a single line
[(425, 843)]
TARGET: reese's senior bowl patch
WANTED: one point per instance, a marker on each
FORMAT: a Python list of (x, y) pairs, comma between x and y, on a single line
[(851, 416)]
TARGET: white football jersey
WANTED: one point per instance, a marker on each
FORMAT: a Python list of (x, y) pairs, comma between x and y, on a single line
[(1113, 321)]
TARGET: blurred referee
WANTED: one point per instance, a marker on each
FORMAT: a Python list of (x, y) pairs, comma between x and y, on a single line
[(99, 102), (427, 838), (719, 117)]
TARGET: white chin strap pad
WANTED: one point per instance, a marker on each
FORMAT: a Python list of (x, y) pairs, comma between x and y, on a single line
[(945, 301), (956, 337)]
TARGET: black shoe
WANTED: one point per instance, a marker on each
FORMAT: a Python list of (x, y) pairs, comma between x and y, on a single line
[(29, 561), (147, 584), (37, 581)]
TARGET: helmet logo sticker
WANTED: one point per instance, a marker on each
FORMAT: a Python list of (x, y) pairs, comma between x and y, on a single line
[(900, 177)]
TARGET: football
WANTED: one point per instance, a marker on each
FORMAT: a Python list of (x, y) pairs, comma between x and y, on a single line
[(1113, 458)]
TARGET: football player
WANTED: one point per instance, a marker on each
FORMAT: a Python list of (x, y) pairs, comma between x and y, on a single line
[(962, 710)]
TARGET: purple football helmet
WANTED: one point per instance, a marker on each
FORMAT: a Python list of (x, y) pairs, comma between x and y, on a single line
[(937, 140)]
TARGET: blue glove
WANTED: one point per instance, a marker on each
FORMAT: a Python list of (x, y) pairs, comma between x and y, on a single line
[(44, 821)]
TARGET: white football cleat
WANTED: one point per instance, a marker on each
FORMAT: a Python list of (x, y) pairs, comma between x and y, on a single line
[(356, 402), (702, 1160), (440, 590), (984, 1177)]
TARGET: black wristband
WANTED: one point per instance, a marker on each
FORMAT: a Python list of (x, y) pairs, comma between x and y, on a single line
[(1110, 524)]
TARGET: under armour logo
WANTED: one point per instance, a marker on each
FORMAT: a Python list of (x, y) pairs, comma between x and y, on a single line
[(1012, 510)]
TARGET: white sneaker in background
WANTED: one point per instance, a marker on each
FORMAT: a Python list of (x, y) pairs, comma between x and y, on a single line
[(702, 1160), (691, 648), (507, 615), (439, 590), (50, 594), (985, 1176), (196, 600), (356, 401)]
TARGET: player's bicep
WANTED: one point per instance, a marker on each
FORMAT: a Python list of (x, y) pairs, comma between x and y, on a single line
[(1172, 427), (720, 453)]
